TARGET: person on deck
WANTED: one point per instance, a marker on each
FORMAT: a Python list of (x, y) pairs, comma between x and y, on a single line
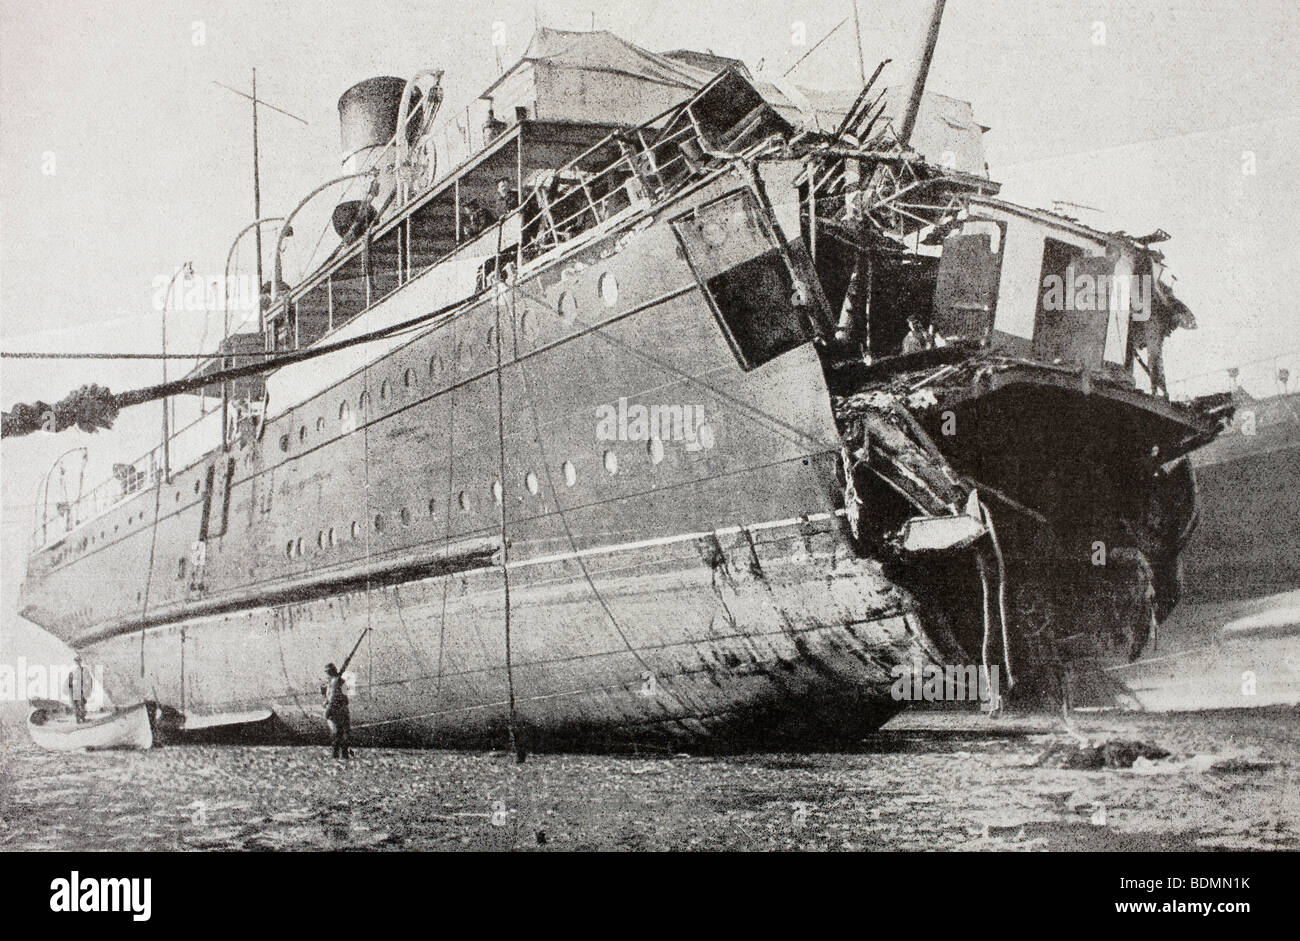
[(507, 198), (917, 338), (337, 714)]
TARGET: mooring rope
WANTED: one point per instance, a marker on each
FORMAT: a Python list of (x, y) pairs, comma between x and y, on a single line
[(516, 744)]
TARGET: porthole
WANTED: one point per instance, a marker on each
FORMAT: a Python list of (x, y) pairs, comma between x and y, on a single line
[(178, 496), (492, 339), (567, 307), (611, 462), (344, 411), (180, 567), (196, 490), (320, 423), (608, 286), (329, 537), (354, 530), (463, 501), (435, 365), (523, 323), (284, 446), (496, 491), (379, 523), (363, 403), (406, 516), (530, 481), (297, 546), (302, 433), (570, 473), (320, 539), (409, 379), (288, 548), (655, 448), (433, 505), (383, 391)]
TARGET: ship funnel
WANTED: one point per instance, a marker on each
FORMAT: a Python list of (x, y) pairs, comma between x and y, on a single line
[(368, 113)]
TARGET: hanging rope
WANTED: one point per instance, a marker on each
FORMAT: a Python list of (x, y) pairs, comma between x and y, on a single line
[(516, 745), (93, 407)]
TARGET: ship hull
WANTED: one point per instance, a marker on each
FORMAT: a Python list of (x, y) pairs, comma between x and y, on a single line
[(771, 633), (1234, 641)]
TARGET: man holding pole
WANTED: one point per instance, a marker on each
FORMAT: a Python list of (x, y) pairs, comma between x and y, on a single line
[(337, 714)]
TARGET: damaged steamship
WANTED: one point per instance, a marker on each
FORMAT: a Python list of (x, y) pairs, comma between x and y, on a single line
[(907, 453)]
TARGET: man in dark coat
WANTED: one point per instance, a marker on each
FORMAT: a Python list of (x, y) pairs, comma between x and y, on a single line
[(337, 714)]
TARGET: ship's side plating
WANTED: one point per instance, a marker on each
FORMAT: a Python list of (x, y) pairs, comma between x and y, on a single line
[(659, 587)]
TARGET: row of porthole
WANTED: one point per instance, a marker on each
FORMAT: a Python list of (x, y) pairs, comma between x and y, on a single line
[(566, 306), (325, 538), (90, 540)]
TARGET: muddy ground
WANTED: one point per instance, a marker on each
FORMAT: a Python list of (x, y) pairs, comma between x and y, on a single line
[(928, 781)]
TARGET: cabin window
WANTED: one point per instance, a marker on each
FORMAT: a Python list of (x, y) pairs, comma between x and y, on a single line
[(567, 306), (1071, 318), (348, 287), (965, 292), (432, 232), (744, 277), (386, 262), (531, 482), (608, 286), (312, 314)]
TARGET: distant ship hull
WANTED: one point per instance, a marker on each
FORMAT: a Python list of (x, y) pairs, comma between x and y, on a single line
[(1234, 641)]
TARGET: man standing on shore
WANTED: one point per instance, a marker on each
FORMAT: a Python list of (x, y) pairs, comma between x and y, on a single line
[(337, 714)]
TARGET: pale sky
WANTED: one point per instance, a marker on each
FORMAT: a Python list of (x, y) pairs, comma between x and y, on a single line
[(1155, 111)]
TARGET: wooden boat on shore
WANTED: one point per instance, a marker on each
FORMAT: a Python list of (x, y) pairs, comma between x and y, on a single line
[(53, 726)]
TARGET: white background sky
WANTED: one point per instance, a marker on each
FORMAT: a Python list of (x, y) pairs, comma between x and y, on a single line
[(152, 164)]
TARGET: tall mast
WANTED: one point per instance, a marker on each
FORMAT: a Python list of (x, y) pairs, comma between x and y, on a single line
[(922, 71), (257, 180), (257, 192)]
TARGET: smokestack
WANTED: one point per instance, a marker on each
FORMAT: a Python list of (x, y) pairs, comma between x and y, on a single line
[(368, 114)]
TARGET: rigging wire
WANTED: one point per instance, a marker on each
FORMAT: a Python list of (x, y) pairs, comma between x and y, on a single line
[(516, 744)]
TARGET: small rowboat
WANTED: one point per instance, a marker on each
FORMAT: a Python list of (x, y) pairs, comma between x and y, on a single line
[(53, 726)]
